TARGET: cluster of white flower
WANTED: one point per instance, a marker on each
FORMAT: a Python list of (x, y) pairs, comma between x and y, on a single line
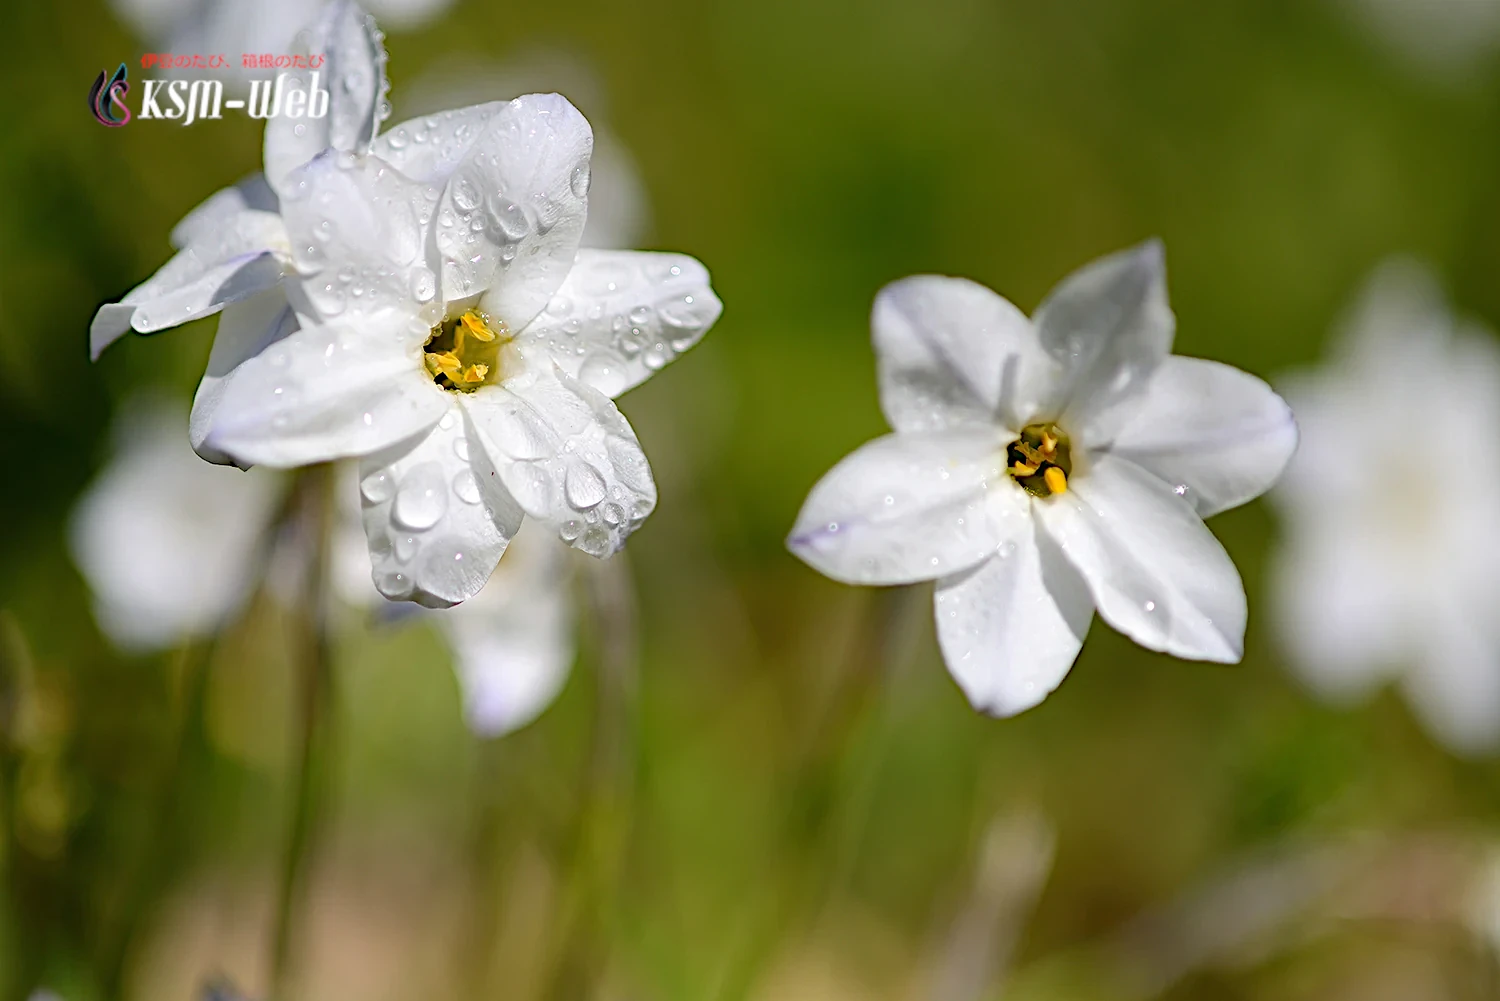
[(417, 302)]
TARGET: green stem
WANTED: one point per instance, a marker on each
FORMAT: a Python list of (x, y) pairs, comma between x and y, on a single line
[(603, 833), (314, 704)]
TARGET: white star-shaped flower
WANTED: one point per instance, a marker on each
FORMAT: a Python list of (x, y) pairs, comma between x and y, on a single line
[(421, 301), (450, 332), (1389, 568), (1041, 469)]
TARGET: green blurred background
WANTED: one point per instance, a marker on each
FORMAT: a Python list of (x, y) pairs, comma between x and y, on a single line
[(792, 799)]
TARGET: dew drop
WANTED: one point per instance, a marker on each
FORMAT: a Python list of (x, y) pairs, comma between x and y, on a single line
[(378, 487), (406, 547), (465, 487), (422, 499), (583, 485)]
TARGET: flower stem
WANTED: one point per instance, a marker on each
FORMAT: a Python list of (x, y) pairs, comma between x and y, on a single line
[(314, 711), (604, 823)]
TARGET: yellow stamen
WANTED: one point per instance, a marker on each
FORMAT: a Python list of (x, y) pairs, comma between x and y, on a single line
[(1057, 480), (475, 325), (475, 373), (1022, 469), (1049, 443)]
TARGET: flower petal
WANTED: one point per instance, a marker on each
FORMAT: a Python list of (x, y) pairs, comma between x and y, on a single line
[(1222, 436), (567, 456), (222, 209), (353, 74), (245, 330), (227, 264), (513, 642), (1011, 627), (1108, 325), (356, 229), (951, 353), (623, 314), (1454, 686), (428, 148), (436, 516), (510, 218), (910, 507), (1156, 572), (167, 542), (326, 392)]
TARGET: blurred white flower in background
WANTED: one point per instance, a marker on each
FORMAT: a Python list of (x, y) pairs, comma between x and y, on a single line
[(1044, 468), (1446, 39), (169, 545), (1389, 566), (234, 27), (166, 541)]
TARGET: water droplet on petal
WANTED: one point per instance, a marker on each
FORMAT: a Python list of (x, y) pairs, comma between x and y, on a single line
[(465, 487), (378, 486), (584, 485), (422, 499)]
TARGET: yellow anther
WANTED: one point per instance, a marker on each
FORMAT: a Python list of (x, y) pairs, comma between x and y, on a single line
[(475, 325), (1049, 443), (1057, 480), (1022, 469), (465, 353)]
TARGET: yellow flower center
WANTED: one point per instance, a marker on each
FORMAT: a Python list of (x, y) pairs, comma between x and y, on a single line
[(1040, 460), (464, 353)]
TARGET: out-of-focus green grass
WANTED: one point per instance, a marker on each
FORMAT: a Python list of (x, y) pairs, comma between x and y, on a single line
[(791, 810)]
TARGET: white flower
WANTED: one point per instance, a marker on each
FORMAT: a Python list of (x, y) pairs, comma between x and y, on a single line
[(389, 305), (169, 545), (423, 345), (1045, 468), (1390, 563), (165, 540)]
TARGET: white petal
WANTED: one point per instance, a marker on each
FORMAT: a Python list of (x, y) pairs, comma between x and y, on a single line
[(353, 74), (222, 209), (1108, 324), (435, 513), (1340, 613), (1156, 572), (623, 314), (951, 353), (567, 456), (356, 227), (510, 218), (225, 265), (1011, 627), (166, 541), (910, 507), (1221, 436), (429, 147), (245, 330), (1455, 686), (513, 642), (326, 392)]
